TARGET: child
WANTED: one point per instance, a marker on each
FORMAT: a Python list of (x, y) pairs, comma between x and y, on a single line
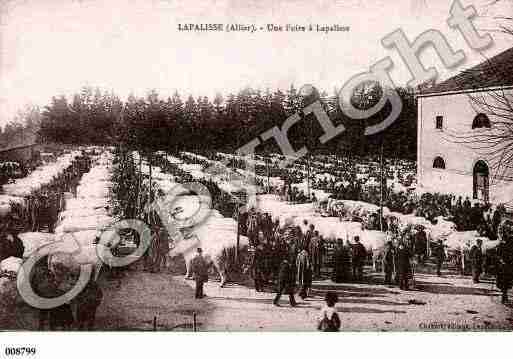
[(329, 320)]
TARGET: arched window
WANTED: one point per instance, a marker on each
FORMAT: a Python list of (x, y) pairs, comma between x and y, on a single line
[(439, 163), (480, 121), (481, 182)]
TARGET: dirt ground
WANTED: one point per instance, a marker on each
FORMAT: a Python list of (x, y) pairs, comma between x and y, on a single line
[(147, 301), (446, 303)]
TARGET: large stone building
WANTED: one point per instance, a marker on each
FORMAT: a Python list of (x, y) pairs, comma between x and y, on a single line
[(462, 133)]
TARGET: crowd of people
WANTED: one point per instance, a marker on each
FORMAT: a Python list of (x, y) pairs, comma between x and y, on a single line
[(289, 256)]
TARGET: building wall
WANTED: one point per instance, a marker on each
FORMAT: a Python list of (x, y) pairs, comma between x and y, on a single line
[(21, 154), (458, 114)]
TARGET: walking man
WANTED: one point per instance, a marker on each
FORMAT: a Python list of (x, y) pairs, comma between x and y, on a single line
[(199, 268), (285, 283)]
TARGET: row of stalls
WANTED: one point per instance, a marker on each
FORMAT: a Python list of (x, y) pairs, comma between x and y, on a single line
[(74, 244)]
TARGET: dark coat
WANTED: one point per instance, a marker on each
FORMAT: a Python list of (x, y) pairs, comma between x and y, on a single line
[(258, 264), (90, 297), (342, 258), (199, 268), (388, 258), (286, 278), (476, 256), (505, 265), (439, 252), (359, 254), (420, 243), (11, 249), (403, 261)]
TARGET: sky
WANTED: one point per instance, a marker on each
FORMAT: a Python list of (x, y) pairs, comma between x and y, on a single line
[(54, 47)]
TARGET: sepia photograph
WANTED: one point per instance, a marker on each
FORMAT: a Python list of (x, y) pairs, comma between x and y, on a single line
[(255, 166)]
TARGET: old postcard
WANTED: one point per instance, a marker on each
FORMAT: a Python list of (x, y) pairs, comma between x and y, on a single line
[(323, 166)]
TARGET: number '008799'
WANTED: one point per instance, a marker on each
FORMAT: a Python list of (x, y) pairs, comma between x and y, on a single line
[(20, 351)]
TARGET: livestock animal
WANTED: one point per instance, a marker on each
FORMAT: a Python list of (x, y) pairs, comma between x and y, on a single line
[(216, 242)]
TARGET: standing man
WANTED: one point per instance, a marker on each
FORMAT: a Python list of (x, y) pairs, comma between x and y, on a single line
[(199, 268), (304, 273), (388, 262), (476, 259), (315, 254), (307, 239), (505, 267), (403, 266), (359, 255), (258, 268), (285, 283), (339, 271), (439, 253), (421, 244), (162, 248)]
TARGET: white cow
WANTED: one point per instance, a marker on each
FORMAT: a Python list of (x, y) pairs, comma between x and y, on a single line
[(75, 224), (34, 240), (460, 243), (374, 242), (214, 242), (67, 257)]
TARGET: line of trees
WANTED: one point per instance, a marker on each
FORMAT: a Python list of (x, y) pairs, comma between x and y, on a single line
[(22, 128), (221, 123)]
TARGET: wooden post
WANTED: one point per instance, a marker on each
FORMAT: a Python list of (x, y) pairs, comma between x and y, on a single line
[(381, 188), (194, 323), (308, 175), (155, 324), (238, 238), (150, 158), (268, 175), (139, 183)]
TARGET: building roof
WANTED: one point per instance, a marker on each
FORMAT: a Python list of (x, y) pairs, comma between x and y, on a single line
[(494, 72), (23, 139)]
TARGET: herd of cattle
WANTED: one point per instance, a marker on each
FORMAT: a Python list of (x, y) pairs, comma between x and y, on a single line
[(87, 214)]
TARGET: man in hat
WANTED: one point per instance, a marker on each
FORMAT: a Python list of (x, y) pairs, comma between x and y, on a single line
[(359, 255), (199, 268), (476, 259), (439, 253), (403, 266)]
